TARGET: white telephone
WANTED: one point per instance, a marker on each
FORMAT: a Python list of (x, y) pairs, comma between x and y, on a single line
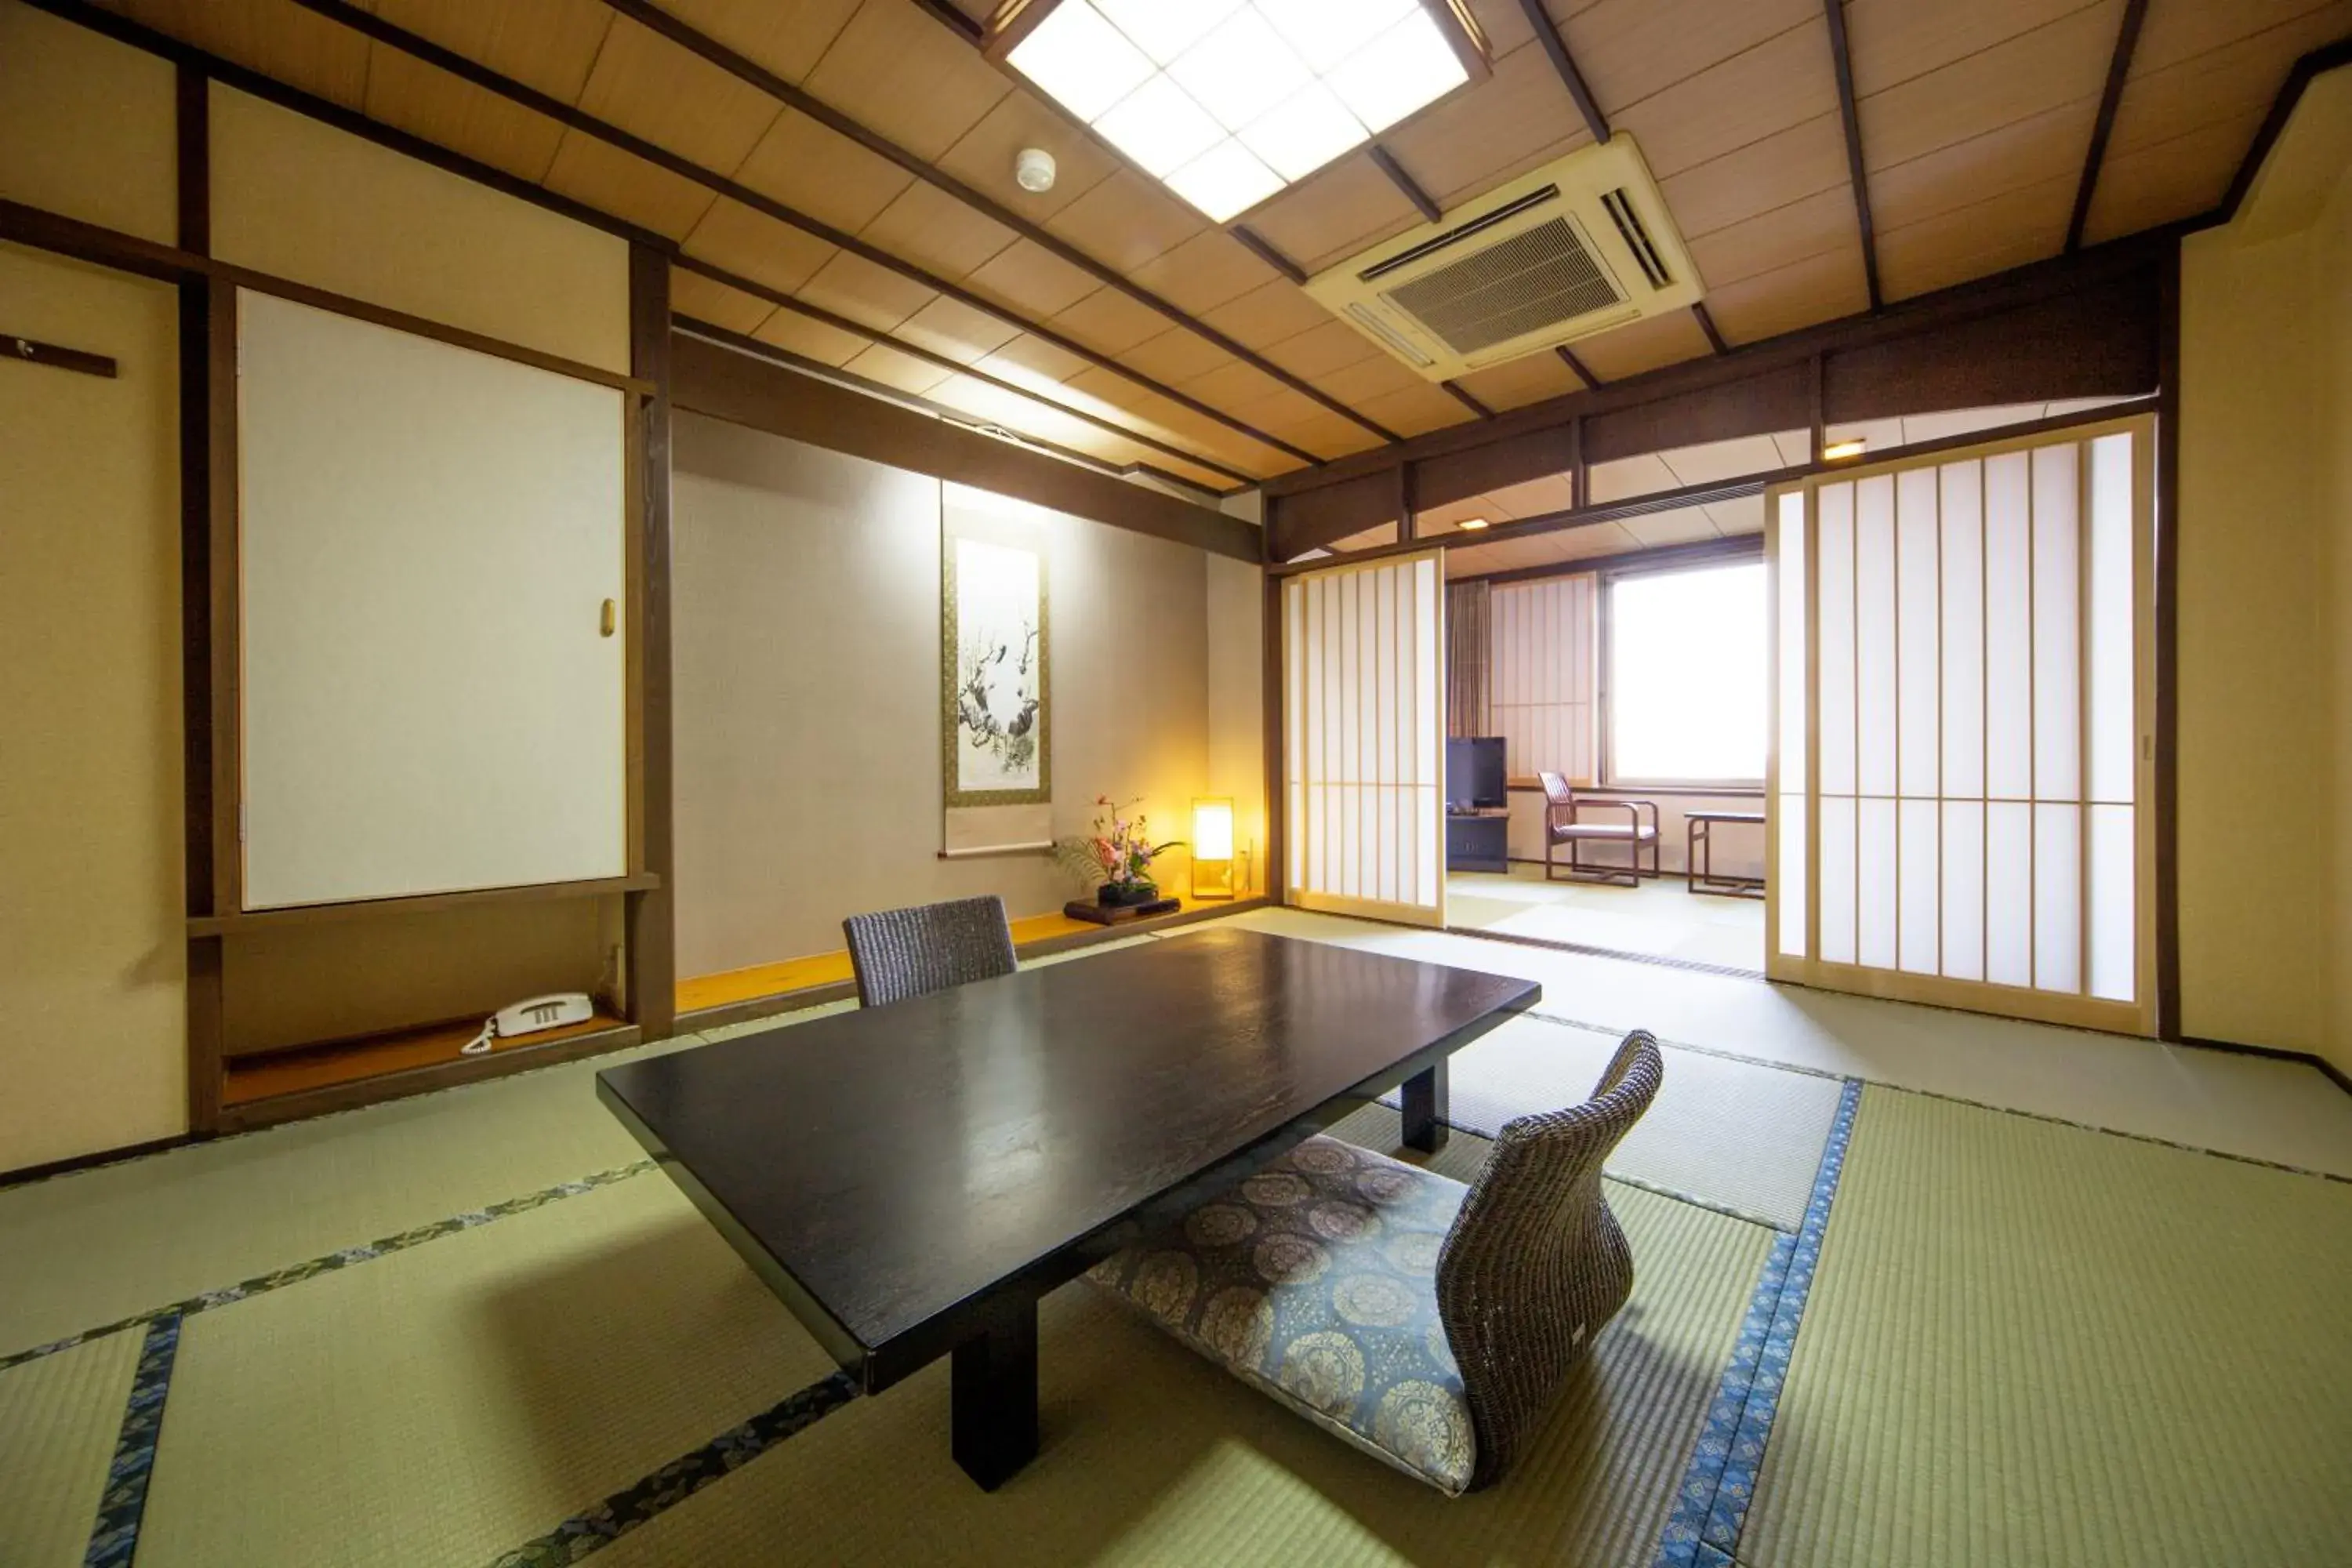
[(530, 1017)]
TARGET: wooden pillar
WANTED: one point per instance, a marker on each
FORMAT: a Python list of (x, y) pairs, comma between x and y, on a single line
[(651, 914)]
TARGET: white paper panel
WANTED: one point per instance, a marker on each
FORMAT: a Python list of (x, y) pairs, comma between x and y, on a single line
[(1794, 886), (1790, 570), (1919, 900), (1962, 584), (2114, 903), (1837, 891), (2009, 646), (1836, 618), (2058, 898), (2057, 625), (1876, 846), (1540, 668), (1964, 889), (1873, 570), (2113, 725), (1918, 634), (2008, 893)]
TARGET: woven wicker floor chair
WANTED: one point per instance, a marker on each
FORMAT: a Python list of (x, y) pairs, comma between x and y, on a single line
[(899, 953)]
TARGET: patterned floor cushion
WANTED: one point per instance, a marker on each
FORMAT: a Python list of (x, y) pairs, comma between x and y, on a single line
[(1316, 1281)]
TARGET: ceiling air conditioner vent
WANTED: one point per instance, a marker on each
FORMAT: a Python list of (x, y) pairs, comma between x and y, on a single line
[(1575, 247)]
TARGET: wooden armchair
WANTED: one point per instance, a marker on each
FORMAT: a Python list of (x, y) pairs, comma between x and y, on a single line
[(1564, 823)]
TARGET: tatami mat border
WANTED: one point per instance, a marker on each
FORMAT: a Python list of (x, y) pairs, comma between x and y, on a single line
[(296, 1273), (114, 1539), (1712, 1502)]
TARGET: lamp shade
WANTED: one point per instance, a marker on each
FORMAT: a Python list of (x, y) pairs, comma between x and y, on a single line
[(1212, 847)]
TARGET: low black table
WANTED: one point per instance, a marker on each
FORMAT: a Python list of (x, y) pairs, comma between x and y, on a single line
[(910, 1179)]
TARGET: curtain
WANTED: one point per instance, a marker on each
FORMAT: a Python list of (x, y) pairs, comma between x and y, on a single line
[(1466, 655)]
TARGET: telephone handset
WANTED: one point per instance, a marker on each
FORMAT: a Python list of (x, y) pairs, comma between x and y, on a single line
[(530, 1017)]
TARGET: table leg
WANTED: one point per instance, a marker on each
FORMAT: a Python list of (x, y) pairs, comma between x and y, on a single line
[(995, 1396), (1425, 1110)]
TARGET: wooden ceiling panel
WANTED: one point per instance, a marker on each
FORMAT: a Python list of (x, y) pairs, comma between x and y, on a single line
[(546, 44), (629, 187), (2159, 182), (2177, 30), (298, 47), (1711, 460), (1789, 165), (1684, 525), (1235, 386), (1110, 320), (1320, 349), (1504, 23), (757, 246), (1986, 237), (1629, 50), (871, 295), (926, 225), (1032, 280), (643, 83), (822, 172), (1031, 362), (810, 339), (1318, 429), (1533, 497), (2022, 152), (952, 328), (1745, 515), (1642, 345), (1462, 145), (1176, 356), (1333, 212), (1268, 314), (692, 294), (896, 368), (1127, 221), (897, 71), (1823, 221), (1368, 378), (786, 37), (1162, 417), (1782, 82), (423, 101), (1412, 410), (1818, 288), (1624, 477), (1530, 378), (1204, 272), (1893, 41), (2058, 63), (981, 157)]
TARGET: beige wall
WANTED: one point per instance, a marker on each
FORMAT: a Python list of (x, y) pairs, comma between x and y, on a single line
[(92, 956), (806, 605), (87, 126), (2265, 626)]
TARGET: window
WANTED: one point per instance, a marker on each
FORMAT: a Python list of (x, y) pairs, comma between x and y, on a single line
[(1687, 663)]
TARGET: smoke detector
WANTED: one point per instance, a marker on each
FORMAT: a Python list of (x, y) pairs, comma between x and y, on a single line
[(1034, 170)]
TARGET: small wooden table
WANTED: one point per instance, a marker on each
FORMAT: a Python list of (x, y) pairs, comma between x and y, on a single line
[(910, 1179), (1699, 874)]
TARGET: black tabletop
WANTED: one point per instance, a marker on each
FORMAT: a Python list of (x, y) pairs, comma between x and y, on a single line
[(884, 1170)]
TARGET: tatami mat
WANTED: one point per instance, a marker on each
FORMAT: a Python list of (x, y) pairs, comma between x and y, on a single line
[(1152, 1455), (2260, 1107), (2028, 1343), (59, 1417), (1730, 1133), (438, 1406)]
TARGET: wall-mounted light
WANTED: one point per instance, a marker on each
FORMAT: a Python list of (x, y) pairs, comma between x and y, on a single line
[(1839, 451), (1212, 847)]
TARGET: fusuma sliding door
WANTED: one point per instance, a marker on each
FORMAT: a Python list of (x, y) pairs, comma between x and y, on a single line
[(1364, 727), (1962, 758)]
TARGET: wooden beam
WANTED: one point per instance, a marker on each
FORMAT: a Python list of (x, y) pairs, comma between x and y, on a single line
[(2119, 70), (1405, 183), (1257, 245), (424, 49), (1732, 547), (1461, 395), (1568, 357), (2319, 61), (1841, 61), (1554, 48), (783, 301), (752, 388), (1706, 324), (58, 356), (752, 73), (649, 915)]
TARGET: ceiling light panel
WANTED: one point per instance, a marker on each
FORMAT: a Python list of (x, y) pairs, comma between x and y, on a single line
[(1226, 102)]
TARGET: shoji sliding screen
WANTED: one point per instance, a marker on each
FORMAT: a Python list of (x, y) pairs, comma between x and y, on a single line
[(1364, 731), (1545, 650), (1962, 760)]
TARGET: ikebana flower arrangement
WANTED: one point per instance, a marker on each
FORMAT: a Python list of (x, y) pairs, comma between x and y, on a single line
[(1118, 854)]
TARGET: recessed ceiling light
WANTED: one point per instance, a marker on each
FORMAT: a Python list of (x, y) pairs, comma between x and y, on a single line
[(1226, 102), (1471, 524), (1837, 451), (1032, 170)]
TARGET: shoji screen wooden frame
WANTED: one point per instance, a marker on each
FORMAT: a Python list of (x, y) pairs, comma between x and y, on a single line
[(1349, 744), (1795, 778)]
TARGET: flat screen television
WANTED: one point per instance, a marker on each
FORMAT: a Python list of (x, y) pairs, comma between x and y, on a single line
[(1474, 775)]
